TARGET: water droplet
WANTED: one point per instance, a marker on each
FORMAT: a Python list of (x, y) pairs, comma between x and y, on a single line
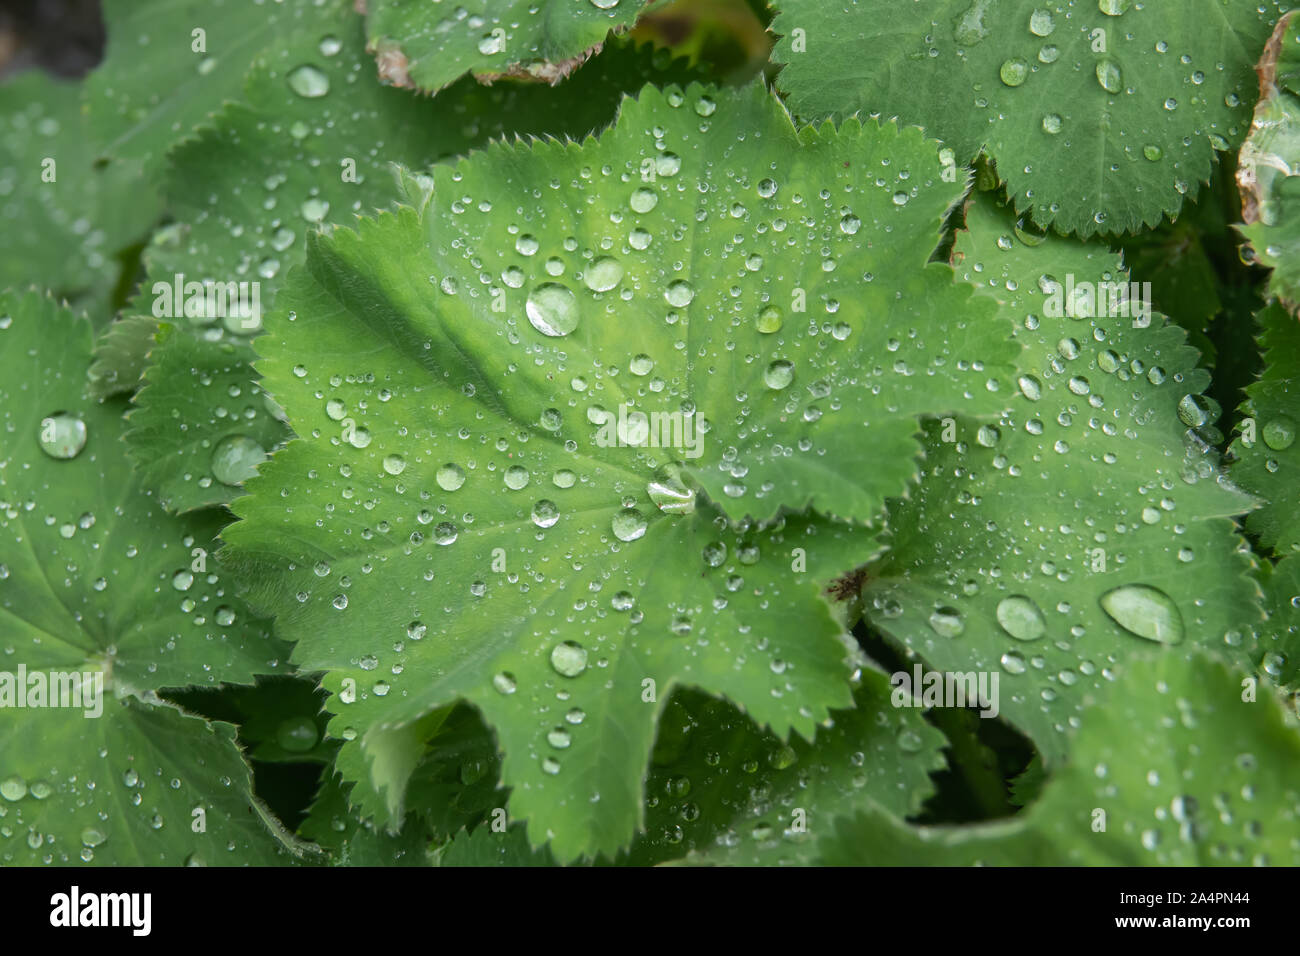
[(779, 374), (1152, 152), (1112, 8), (1279, 434), (394, 464), (1042, 23), (552, 309), (297, 734), (947, 622), (182, 580), (1145, 612), (603, 274), (504, 682), (1052, 123), (643, 200), (628, 525), (62, 435), (679, 294), (1108, 76), (545, 513), (450, 476), (309, 82), (1021, 618), (769, 320), (569, 659), (1014, 71), (13, 788), (235, 459), (1030, 387), (516, 477), (314, 209), (670, 494), (330, 46), (1194, 410)]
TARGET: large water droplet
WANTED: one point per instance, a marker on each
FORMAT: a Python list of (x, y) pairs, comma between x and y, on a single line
[(947, 622), (552, 309), (628, 525), (1145, 612), (13, 788), (62, 435), (1014, 71), (603, 274), (235, 459), (1042, 23), (679, 294), (1108, 76), (1279, 434), (1021, 618), (450, 476), (569, 659), (670, 494), (779, 374)]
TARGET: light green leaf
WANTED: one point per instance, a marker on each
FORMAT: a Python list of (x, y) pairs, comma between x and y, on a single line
[(1171, 768), (1101, 116), (273, 169), (447, 441), (429, 45), (1088, 525), (65, 219), (483, 847), (334, 826), (1268, 169), (121, 355), (1267, 456)]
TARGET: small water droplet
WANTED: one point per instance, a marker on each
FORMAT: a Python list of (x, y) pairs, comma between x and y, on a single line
[(628, 525), (1021, 618), (309, 82)]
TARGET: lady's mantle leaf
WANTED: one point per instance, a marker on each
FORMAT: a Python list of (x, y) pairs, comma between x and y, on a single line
[(1088, 524), (272, 169), (1171, 768), (462, 381), (429, 45), (1267, 456), (1268, 169), (95, 578), (1101, 114)]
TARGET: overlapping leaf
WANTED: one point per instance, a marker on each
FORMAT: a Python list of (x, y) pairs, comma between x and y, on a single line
[(429, 45), (1100, 114), (1172, 767), (1267, 457), (64, 218), (1088, 524), (1268, 170), (462, 380), (95, 579), (248, 189)]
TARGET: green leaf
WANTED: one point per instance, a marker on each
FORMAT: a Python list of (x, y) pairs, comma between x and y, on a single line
[(121, 355), (1088, 524), (272, 170), (333, 825), (1176, 767), (732, 795), (1281, 586), (430, 45), (1267, 457), (405, 389), (1092, 140), (1270, 156), (65, 219), (142, 784), (171, 64), (96, 579), (483, 847)]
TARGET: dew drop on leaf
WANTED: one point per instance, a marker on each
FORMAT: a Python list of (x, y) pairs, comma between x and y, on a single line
[(309, 82), (62, 435), (1021, 618), (235, 459), (1145, 612), (552, 309), (569, 659)]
